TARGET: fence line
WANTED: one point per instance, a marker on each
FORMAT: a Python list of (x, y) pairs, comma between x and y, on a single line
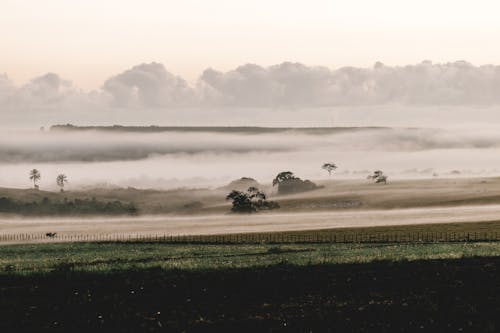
[(309, 237)]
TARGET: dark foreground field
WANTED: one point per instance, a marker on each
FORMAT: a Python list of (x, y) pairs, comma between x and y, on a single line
[(250, 288)]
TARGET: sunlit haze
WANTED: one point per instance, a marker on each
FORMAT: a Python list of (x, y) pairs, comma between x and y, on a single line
[(89, 41)]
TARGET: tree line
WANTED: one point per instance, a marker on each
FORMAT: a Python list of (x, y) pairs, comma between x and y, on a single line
[(253, 199), (66, 207), (35, 177)]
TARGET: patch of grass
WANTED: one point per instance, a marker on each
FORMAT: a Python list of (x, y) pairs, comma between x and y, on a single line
[(446, 295), (111, 257), (418, 232)]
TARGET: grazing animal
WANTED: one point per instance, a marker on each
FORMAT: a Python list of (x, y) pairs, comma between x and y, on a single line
[(51, 234)]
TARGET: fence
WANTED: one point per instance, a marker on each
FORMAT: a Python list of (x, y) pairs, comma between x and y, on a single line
[(271, 238)]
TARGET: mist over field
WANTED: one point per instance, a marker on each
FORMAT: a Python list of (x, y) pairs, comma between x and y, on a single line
[(419, 120), (187, 158)]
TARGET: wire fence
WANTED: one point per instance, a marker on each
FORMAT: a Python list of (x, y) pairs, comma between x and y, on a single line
[(256, 238)]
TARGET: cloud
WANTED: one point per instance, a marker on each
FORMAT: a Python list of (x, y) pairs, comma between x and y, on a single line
[(148, 85), (297, 85), (7, 88), (45, 89), (45, 92)]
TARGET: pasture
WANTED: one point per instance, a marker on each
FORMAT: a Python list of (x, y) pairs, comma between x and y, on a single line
[(158, 287)]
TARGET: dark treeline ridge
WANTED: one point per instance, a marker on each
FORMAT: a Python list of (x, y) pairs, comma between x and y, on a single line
[(218, 129), (48, 207)]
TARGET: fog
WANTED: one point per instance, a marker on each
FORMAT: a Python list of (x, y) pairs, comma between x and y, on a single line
[(193, 159)]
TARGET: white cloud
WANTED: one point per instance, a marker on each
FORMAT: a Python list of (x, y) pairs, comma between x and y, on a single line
[(293, 84), (45, 89), (148, 85), (163, 97)]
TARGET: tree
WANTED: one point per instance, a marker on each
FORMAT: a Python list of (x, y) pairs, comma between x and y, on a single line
[(61, 180), (329, 167), (35, 177), (241, 202), (381, 179), (378, 177), (283, 176), (288, 183), (250, 201)]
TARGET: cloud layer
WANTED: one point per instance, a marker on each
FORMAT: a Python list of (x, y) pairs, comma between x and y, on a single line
[(293, 84), (151, 86), (103, 146)]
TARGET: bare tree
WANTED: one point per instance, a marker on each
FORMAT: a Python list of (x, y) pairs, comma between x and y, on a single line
[(35, 177)]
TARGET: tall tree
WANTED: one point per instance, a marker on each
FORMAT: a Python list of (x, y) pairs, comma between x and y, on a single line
[(35, 177)]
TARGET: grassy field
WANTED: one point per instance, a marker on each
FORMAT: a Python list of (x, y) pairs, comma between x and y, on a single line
[(110, 257), (254, 286), (155, 287), (336, 195), (415, 234)]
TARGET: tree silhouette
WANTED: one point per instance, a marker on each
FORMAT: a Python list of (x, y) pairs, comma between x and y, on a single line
[(35, 177), (61, 180), (378, 177), (250, 201), (283, 176), (329, 167)]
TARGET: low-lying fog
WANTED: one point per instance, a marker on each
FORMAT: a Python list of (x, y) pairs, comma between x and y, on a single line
[(190, 159)]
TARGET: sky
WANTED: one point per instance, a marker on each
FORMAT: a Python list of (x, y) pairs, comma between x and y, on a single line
[(87, 42), (398, 63)]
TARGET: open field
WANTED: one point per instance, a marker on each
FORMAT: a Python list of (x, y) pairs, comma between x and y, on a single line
[(110, 257), (234, 224), (340, 204), (336, 195), (303, 287)]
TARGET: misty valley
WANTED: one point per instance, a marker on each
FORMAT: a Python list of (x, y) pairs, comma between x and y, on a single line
[(184, 157)]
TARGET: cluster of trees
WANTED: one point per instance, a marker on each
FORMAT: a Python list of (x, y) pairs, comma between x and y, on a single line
[(253, 199), (250, 201), (288, 183), (66, 207), (35, 177)]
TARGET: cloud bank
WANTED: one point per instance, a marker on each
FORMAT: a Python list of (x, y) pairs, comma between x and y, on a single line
[(294, 84), (101, 146), (286, 85)]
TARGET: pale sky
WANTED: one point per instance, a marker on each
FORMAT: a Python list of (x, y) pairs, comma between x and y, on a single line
[(89, 41)]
